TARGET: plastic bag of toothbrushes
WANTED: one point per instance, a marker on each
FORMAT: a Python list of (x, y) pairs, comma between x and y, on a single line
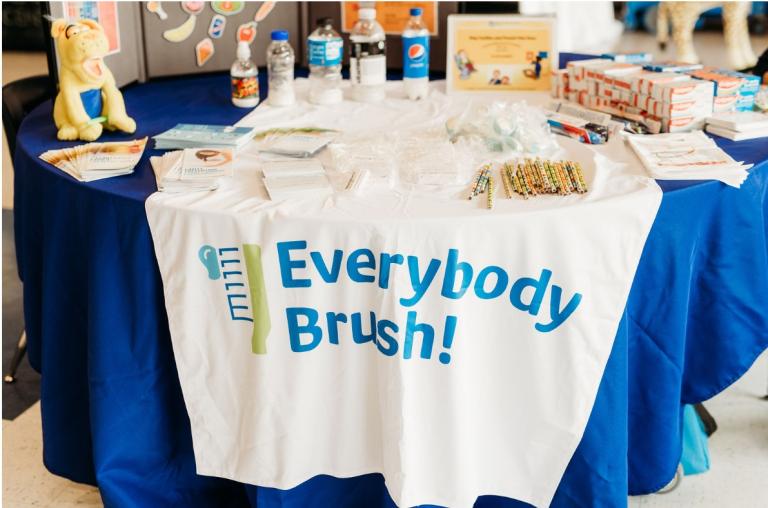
[(505, 127), (429, 159), (364, 154)]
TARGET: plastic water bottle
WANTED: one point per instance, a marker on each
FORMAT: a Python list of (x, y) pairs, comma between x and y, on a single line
[(280, 62), (244, 76), (325, 50), (416, 56), (368, 58)]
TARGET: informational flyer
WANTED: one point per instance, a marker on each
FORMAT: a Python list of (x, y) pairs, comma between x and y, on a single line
[(104, 13), (500, 53), (391, 15)]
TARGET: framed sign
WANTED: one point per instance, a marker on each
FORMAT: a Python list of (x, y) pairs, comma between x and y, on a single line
[(391, 15), (500, 53)]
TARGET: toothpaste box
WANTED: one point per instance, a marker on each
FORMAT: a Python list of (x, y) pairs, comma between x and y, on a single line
[(726, 103), (684, 91), (671, 67), (653, 124), (621, 82), (559, 82), (644, 83), (604, 90), (592, 88), (680, 109), (576, 71), (745, 103), (613, 70), (641, 101), (629, 57), (683, 124), (724, 85), (625, 96), (750, 83)]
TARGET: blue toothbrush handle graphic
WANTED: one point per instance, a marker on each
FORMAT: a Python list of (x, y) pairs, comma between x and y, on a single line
[(210, 261)]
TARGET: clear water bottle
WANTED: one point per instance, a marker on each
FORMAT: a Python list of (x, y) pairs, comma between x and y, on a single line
[(368, 58), (416, 56), (325, 50), (244, 76), (280, 62)]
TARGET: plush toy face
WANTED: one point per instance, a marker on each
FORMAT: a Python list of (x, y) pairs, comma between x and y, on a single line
[(82, 46)]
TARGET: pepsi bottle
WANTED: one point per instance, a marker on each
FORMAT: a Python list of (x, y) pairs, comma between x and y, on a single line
[(416, 56)]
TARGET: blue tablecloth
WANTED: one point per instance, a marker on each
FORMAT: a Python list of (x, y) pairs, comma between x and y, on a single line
[(112, 409)]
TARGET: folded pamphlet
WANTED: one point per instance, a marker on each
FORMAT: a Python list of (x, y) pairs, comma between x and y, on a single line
[(302, 142), (192, 169), (96, 161), (687, 156), (291, 178), (185, 135)]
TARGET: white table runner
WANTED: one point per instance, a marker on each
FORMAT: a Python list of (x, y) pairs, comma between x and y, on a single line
[(453, 349)]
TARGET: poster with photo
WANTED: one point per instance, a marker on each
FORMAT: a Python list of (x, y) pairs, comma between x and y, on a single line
[(104, 13), (500, 53)]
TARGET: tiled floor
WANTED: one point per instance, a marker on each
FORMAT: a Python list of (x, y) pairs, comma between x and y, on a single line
[(26, 482)]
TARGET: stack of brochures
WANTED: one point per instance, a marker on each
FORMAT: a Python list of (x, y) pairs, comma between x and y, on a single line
[(95, 161), (192, 169), (739, 125), (687, 156), (295, 178), (303, 142), (185, 135)]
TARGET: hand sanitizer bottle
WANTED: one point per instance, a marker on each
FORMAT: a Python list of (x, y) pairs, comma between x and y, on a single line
[(245, 78)]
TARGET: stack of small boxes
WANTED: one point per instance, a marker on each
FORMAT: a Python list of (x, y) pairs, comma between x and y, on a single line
[(667, 97)]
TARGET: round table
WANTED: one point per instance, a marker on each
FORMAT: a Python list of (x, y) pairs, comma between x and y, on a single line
[(112, 409)]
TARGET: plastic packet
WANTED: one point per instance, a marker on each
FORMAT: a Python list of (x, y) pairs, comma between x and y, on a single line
[(376, 158), (505, 127)]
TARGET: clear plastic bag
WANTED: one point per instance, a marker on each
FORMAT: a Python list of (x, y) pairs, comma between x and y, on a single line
[(505, 127)]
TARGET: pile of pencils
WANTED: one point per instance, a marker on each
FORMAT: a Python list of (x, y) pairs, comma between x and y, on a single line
[(535, 177)]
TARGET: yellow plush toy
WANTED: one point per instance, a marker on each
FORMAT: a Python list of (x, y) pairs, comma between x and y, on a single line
[(87, 95)]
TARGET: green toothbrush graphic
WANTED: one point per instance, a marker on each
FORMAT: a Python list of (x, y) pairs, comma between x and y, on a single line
[(261, 321)]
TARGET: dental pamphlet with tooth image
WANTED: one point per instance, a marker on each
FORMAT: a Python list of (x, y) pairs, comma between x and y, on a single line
[(96, 161), (204, 163), (192, 169)]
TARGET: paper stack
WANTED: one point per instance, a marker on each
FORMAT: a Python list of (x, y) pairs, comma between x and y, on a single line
[(192, 169), (95, 161), (301, 142), (687, 156), (186, 135), (739, 125), (295, 178)]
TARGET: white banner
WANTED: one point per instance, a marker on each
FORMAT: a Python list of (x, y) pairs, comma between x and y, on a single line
[(453, 349)]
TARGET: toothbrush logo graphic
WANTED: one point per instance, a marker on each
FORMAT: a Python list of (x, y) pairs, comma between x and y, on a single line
[(226, 263)]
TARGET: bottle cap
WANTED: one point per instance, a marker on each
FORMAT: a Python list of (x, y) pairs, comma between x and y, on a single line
[(279, 35), (243, 51), (367, 14), (324, 21), (416, 11)]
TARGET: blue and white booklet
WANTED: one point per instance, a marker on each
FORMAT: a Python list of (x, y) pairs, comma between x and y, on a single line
[(185, 135)]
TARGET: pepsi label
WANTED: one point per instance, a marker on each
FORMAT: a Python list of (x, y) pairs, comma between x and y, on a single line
[(325, 53), (416, 56)]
